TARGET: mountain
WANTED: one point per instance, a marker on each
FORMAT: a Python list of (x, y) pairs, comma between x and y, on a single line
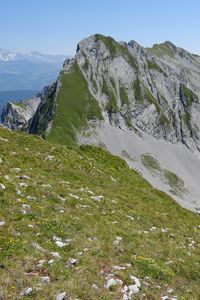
[(30, 71), (141, 104), (79, 223), (34, 57), (14, 95)]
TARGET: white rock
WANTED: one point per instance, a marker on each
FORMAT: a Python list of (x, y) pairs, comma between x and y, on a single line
[(130, 217), (72, 261), (118, 268), (95, 286), (2, 223), (24, 177), (51, 261), (45, 279), (26, 206), (117, 240), (50, 157), (56, 239), (30, 225), (61, 244), (23, 184), (31, 198), (41, 262), (17, 170), (97, 198), (3, 140), (110, 282), (2, 186), (27, 291), (61, 296), (56, 255), (74, 196)]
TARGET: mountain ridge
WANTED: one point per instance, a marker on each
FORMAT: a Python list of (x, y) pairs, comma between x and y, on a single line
[(146, 99)]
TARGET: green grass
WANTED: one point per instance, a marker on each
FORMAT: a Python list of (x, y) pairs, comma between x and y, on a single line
[(187, 119), (123, 96), (189, 96), (154, 66), (20, 104), (162, 49), (137, 90), (160, 241), (111, 105), (75, 106)]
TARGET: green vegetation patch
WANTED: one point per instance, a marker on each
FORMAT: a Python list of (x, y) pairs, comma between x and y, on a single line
[(138, 90), (163, 49), (189, 95), (111, 105), (154, 66), (123, 96), (177, 184), (187, 119), (20, 104), (150, 162), (75, 106)]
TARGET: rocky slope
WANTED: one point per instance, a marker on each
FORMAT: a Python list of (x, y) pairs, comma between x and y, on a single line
[(139, 103), (79, 223)]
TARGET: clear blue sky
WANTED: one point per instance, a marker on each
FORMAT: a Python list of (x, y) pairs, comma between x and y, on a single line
[(56, 26)]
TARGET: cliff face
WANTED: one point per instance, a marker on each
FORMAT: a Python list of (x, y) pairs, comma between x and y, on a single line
[(139, 103)]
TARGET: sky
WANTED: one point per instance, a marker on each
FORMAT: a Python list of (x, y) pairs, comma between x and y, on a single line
[(56, 26)]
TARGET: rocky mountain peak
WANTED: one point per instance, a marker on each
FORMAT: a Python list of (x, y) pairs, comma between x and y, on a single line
[(133, 101)]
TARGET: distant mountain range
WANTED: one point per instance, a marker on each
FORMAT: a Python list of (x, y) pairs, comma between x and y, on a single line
[(34, 57), (21, 75), (30, 71)]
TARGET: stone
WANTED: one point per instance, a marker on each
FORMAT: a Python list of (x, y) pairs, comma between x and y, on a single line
[(2, 186), (27, 291), (61, 296), (45, 279)]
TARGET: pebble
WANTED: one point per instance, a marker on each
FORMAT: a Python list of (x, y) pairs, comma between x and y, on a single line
[(95, 286), (2, 186), (61, 296), (16, 170), (97, 198), (56, 255), (27, 291), (117, 240), (45, 279), (2, 223), (72, 262), (24, 177), (23, 184)]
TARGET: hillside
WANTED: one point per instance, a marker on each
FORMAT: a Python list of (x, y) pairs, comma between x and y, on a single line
[(79, 221), (141, 104)]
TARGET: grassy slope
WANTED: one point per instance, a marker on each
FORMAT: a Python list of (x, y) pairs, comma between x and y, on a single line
[(95, 226), (75, 105)]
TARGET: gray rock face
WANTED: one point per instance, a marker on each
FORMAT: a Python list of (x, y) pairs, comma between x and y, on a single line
[(16, 115)]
